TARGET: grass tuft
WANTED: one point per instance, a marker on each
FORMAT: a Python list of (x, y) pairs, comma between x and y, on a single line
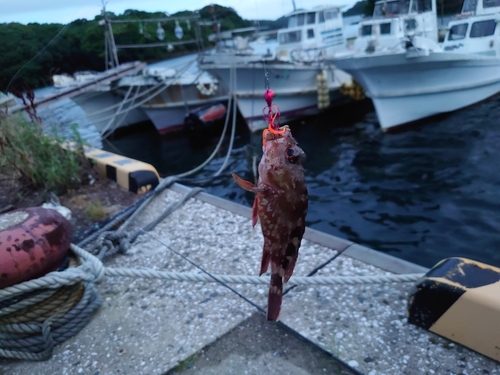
[(41, 161), (96, 211)]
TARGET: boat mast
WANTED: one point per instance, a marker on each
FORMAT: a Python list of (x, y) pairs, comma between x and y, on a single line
[(110, 49)]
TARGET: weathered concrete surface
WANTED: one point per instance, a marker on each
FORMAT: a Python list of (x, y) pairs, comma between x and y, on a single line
[(366, 326), (150, 326), (258, 347)]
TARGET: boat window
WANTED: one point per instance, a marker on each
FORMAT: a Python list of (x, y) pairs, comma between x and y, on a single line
[(310, 33), (331, 14), (292, 21), (300, 19), (310, 18), (290, 37), (490, 3), (469, 6), (321, 17), (366, 30), (420, 6), (458, 32), (410, 24), (390, 8), (385, 28), (483, 28)]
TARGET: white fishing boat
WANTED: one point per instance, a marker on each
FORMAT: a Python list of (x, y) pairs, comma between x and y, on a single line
[(164, 93), (409, 76), (302, 84)]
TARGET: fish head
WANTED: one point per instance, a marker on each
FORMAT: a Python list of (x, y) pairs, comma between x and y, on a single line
[(282, 160)]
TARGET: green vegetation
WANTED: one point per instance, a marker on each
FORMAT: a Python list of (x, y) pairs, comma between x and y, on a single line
[(40, 161), (96, 211), (358, 8), (80, 46)]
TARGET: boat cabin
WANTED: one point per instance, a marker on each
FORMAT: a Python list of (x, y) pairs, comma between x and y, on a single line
[(311, 34), (480, 7), (475, 29), (394, 20)]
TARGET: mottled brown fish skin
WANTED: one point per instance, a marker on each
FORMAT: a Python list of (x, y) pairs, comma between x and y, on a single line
[(281, 202)]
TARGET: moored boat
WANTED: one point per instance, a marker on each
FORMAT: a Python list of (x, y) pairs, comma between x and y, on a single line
[(303, 85), (409, 76)]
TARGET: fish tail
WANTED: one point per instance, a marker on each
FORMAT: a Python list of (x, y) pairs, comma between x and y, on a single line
[(275, 297)]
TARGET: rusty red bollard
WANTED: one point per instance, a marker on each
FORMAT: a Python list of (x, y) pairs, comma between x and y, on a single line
[(33, 242)]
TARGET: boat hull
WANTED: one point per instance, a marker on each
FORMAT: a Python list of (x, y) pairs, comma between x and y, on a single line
[(295, 87), (407, 87), (170, 117), (104, 120)]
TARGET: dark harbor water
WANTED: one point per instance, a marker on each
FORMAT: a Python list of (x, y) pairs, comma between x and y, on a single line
[(423, 194)]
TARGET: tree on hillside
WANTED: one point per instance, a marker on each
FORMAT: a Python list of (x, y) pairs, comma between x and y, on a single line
[(227, 17), (358, 8)]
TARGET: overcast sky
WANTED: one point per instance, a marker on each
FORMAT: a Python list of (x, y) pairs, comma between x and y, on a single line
[(65, 11)]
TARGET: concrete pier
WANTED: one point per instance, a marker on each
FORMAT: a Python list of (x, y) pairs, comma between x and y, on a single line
[(160, 327)]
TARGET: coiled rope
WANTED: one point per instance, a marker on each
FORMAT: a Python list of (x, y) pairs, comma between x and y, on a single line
[(51, 313)]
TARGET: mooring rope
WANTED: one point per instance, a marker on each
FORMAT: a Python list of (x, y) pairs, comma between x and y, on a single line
[(24, 334), (93, 270)]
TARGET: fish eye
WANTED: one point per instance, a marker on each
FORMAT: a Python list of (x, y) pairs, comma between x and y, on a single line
[(290, 152)]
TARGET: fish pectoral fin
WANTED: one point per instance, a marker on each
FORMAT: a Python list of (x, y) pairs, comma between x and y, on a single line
[(244, 184)]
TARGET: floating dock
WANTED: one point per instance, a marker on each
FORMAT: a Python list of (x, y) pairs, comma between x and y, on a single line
[(149, 326)]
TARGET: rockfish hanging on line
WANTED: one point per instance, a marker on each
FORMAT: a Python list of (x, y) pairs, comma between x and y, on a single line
[(281, 206)]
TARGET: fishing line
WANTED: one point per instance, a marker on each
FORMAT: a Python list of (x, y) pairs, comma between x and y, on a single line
[(266, 77), (58, 35)]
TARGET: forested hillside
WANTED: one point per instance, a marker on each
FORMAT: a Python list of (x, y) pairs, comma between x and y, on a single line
[(80, 44)]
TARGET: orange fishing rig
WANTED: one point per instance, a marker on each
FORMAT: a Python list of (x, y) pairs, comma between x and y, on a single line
[(271, 113)]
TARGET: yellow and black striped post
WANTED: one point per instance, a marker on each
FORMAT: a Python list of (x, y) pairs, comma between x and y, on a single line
[(460, 299), (133, 175)]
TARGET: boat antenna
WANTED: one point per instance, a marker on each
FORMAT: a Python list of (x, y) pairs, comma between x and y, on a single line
[(294, 6)]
